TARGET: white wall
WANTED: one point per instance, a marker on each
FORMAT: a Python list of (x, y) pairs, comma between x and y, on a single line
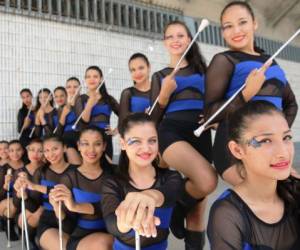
[(36, 53)]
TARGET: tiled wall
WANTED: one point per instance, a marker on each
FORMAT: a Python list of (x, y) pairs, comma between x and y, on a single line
[(38, 53)]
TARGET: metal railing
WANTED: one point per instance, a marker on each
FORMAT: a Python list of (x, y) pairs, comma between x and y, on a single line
[(129, 17)]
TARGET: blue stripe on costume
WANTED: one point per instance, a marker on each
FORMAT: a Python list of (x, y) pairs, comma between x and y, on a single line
[(46, 203), (81, 196), (91, 224), (277, 101), (224, 194), (118, 245), (243, 69), (103, 109), (102, 125), (195, 81), (185, 104), (164, 214), (246, 246), (70, 119), (139, 104)]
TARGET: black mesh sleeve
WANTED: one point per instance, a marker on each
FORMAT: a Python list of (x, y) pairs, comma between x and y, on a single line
[(225, 227), (20, 120), (3, 192), (70, 219), (217, 81), (115, 106), (158, 111), (124, 105), (34, 200), (173, 185), (111, 198), (289, 104), (60, 128)]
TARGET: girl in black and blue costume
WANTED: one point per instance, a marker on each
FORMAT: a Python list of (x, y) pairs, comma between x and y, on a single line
[(136, 98), (24, 122), (141, 196), (177, 113), (96, 106), (263, 211), (67, 117), (15, 164), (46, 118), (35, 156), (229, 70), (44, 179), (80, 192)]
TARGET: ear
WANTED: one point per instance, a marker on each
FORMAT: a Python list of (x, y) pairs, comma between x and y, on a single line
[(122, 143), (104, 146), (255, 25), (236, 149)]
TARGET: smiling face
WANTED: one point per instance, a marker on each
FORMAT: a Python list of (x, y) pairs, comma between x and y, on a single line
[(43, 98), (35, 152), (3, 151), (139, 70), (238, 28), (71, 87), (266, 148), (92, 79), (91, 146), (141, 144), (60, 97), (26, 98), (53, 151), (176, 39), (15, 152)]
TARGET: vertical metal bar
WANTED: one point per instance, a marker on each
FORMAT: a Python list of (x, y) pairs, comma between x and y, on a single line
[(59, 13), (103, 11), (95, 15), (86, 10), (68, 8), (126, 18), (39, 5), (77, 9)]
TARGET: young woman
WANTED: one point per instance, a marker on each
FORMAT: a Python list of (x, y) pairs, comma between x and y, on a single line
[(25, 123), (228, 71), (96, 106), (137, 97), (80, 192), (60, 96), (15, 153), (3, 161), (3, 153), (262, 212), (141, 196), (180, 103), (67, 118), (45, 178), (46, 115), (35, 156)]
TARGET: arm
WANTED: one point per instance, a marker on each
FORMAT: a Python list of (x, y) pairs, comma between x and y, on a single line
[(217, 81), (111, 198), (289, 104), (115, 106), (225, 227), (173, 184), (158, 111), (124, 106)]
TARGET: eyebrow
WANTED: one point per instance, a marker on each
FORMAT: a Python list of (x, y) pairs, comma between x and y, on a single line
[(242, 18), (270, 134)]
